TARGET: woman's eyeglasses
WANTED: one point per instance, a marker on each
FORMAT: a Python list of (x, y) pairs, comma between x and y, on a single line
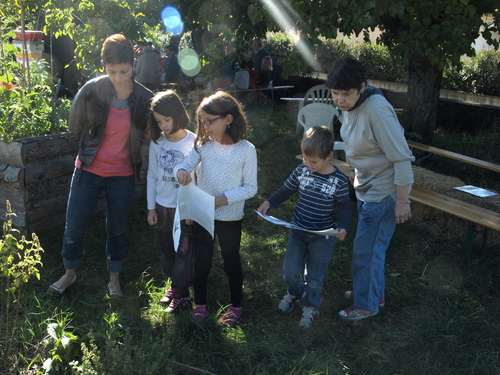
[(209, 122)]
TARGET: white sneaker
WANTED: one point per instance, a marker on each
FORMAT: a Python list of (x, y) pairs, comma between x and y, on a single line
[(287, 304), (308, 315)]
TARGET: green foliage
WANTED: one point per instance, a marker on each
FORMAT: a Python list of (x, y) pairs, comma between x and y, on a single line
[(480, 74), (27, 100), (379, 62), (20, 260), (64, 347)]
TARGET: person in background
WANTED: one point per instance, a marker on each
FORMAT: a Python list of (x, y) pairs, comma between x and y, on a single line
[(381, 175), (172, 68), (170, 144), (253, 76), (109, 119), (227, 169), (241, 81), (266, 72), (258, 53), (323, 203), (146, 68)]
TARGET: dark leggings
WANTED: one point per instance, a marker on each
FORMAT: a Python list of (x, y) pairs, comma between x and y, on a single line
[(175, 264), (228, 234)]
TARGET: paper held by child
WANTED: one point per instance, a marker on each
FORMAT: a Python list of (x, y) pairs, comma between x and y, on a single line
[(477, 191), (324, 232), (193, 203)]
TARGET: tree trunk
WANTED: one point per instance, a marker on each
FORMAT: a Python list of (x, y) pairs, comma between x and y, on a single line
[(420, 112)]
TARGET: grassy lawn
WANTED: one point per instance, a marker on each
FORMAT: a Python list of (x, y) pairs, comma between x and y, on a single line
[(436, 321)]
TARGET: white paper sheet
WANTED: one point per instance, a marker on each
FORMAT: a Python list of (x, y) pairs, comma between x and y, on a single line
[(193, 203), (272, 219), (477, 191)]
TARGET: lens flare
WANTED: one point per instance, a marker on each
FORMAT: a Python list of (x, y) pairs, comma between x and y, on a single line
[(172, 20), (189, 62)]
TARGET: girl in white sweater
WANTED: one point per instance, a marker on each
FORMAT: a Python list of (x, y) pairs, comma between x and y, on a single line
[(227, 170)]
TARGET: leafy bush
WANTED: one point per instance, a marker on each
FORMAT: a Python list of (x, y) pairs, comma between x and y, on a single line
[(27, 100), (20, 260), (378, 62), (283, 51)]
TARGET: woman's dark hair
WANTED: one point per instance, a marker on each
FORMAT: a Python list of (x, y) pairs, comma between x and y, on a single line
[(167, 103), (250, 64), (347, 74), (222, 104), (117, 49)]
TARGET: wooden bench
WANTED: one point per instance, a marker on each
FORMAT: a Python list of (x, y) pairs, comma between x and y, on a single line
[(454, 156), (270, 88), (478, 220)]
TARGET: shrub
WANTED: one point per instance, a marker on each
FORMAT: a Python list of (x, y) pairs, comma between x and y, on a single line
[(378, 62), (28, 102)]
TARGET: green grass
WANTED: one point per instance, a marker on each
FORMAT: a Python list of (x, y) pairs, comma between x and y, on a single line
[(436, 321)]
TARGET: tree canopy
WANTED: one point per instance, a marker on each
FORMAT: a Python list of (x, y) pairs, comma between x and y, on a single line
[(428, 35)]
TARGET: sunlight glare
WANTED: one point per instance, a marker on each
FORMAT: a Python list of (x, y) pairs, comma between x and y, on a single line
[(282, 14)]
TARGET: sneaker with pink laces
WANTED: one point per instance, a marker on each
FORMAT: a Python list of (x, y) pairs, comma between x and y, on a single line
[(200, 313), (169, 296), (231, 316)]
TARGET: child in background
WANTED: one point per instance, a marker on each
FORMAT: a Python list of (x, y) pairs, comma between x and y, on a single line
[(323, 203), (228, 170), (171, 143)]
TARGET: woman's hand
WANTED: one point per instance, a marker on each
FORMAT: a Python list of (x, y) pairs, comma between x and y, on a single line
[(264, 207), (403, 211), (152, 217), (220, 200), (183, 177), (340, 235)]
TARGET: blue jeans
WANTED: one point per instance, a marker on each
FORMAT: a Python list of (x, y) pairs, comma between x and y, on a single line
[(316, 251), (84, 194), (376, 224)]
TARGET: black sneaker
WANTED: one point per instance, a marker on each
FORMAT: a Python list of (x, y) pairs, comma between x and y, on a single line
[(179, 304)]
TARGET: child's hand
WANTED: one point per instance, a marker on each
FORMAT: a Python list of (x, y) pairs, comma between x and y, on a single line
[(189, 222), (340, 235), (152, 217), (264, 207), (220, 200), (183, 177)]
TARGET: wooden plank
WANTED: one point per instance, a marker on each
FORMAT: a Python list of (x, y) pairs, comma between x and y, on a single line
[(262, 89), (10, 153), (42, 170), (48, 188), (9, 173), (463, 210), (44, 147), (454, 156)]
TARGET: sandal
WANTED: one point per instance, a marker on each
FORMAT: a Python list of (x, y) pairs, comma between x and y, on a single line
[(57, 291)]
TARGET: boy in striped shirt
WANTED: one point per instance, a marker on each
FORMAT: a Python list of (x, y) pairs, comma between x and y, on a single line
[(323, 203)]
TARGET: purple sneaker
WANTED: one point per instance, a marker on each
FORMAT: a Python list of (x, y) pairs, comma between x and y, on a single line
[(231, 316)]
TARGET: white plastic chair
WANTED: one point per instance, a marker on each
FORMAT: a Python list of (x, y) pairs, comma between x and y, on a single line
[(339, 146), (316, 94), (317, 114)]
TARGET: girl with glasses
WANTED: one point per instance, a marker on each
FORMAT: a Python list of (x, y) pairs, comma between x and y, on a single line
[(226, 167)]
